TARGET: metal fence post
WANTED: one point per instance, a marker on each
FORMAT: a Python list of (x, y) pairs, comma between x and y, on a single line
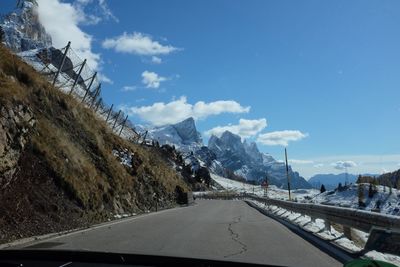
[(116, 119), (95, 95), (109, 112), (123, 124), (62, 62), (90, 85), (77, 77)]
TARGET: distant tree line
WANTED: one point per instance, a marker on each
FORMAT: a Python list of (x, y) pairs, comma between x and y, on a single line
[(390, 179)]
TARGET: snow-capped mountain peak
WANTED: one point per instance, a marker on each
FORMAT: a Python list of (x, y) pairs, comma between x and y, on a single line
[(187, 131), (23, 30), (183, 135), (246, 160)]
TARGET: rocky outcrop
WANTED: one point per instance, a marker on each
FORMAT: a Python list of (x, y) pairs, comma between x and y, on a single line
[(247, 161), (15, 126), (183, 135), (23, 30)]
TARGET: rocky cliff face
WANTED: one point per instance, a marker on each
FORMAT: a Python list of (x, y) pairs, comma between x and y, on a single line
[(247, 161), (22, 29), (182, 135), (16, 125)]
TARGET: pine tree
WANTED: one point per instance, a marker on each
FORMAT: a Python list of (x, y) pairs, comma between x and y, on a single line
[(370, 191), (340, 187), (322, 188), (1, 34), (360, 195)]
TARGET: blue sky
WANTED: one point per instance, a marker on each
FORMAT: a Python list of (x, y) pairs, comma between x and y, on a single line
[(324, 74)]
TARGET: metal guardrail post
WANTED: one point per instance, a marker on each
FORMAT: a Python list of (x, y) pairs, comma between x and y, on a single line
[(347, 232)]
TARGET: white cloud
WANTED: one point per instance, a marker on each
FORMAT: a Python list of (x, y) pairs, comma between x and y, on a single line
[(61, 21), (98, 9), (103, 78), (161, 113), (373, 164), (203, 110), (106, 11), (156, 60), (152, 79), (245, 128), (281, 138), (128, 88), (300, 161), (341, 165), (139, 44)]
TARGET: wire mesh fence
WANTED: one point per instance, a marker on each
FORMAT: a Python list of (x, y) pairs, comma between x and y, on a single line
[(71, 74)]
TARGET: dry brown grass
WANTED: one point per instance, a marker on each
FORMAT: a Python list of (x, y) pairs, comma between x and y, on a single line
[(77, 145)]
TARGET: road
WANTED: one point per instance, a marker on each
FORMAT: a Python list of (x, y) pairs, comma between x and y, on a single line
[(211, 229)]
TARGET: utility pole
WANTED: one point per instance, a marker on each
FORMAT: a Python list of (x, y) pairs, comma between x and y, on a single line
[(287, 174), (62, 63)]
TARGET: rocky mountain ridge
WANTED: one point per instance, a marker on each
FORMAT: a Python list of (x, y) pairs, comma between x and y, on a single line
[(22, 29), (226, 155)]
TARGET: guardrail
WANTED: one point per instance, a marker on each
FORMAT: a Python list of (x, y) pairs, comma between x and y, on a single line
[(384, 230), (358, 219)]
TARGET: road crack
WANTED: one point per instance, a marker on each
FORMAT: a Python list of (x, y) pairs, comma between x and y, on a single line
[(235, 237)]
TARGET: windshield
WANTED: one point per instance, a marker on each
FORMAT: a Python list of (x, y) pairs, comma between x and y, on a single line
[(248, 131)]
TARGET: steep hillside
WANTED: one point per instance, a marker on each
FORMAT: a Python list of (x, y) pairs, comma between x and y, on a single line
[(390, 179), (61, 167)]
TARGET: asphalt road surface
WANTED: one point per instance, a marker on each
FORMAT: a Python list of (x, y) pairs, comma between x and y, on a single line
[(210, 229)]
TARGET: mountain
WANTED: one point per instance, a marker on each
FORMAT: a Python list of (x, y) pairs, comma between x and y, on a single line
[(331, 181), (183, 135), (226, 155), (247, 161), (22, 30), (390, 179)]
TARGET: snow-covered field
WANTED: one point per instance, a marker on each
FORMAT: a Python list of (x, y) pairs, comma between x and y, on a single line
[(272, 191), (390, 202)]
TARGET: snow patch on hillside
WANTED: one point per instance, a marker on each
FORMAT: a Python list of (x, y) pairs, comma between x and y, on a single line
[(390, 202)]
